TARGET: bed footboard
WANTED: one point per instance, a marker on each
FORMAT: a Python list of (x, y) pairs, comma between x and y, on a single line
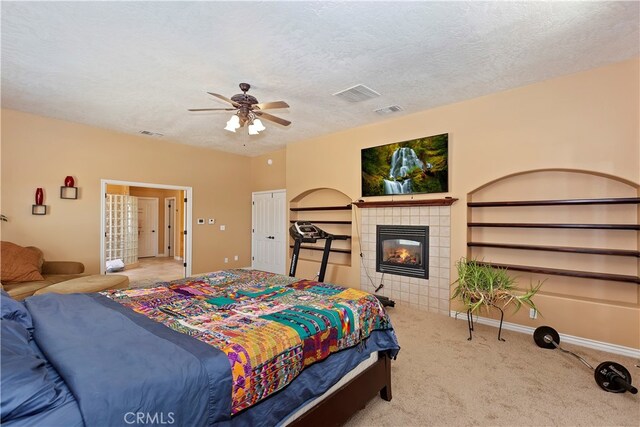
[(350, 398)]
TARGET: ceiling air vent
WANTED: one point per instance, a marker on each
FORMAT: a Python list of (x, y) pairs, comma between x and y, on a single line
[(357, 93), (146, 132), (388, 110)]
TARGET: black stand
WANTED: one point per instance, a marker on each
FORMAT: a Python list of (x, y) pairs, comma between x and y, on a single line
[(385, 301), (323, 264), (305, 232), (470, 323), (294, 258)]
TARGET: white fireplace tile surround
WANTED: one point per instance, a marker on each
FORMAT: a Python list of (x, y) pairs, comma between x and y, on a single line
[(425, 294)]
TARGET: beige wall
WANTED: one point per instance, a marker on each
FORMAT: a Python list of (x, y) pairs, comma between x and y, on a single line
[(587, 121), (118, 189), (265, 176), (40, 152)]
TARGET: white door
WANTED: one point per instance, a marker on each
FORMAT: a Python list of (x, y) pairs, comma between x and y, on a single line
[(268, 251), (147, 227)]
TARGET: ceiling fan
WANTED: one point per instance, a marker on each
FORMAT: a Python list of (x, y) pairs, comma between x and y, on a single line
[(248, 110)]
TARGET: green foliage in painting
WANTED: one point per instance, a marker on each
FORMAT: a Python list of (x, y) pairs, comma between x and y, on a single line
[(432, 151)]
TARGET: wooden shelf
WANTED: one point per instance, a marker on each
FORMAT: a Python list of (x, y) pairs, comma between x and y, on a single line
[(447, 201), (569, 273), (321, 222), (569, 249), (632, 226), (315, 248), (322, 208), (610, 201), (568, 226)]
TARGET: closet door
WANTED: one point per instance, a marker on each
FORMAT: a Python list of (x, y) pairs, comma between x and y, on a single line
[(269, 231)]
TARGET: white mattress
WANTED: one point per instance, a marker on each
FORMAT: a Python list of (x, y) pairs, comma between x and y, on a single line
[(373, 358)]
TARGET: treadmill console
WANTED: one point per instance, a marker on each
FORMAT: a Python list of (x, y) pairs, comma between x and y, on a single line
[(307, 232)]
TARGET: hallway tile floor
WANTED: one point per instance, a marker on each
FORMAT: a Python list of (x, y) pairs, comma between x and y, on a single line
[(155, 269)]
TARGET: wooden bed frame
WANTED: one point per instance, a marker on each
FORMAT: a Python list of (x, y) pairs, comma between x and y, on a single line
[(340, 405)]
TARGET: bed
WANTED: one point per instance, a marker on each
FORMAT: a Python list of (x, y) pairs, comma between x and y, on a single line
[(234, 347)]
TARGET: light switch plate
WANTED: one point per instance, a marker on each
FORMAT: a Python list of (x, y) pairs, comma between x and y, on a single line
[(212, 221), (223, 227), (200, 221)]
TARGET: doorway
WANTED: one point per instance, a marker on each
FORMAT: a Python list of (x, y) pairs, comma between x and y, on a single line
[(151, 224), (147, 227), (269, 228)]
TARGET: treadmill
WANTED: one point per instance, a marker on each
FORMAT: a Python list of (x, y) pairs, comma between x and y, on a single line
[(306, 232)]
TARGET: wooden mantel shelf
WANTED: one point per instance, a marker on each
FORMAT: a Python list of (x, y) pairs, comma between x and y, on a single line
[(447, 201)]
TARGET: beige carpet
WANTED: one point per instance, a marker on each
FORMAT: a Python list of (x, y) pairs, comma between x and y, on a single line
[(441, 379)]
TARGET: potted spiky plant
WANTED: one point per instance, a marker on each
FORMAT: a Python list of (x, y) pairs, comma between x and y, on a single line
[(482, 286)]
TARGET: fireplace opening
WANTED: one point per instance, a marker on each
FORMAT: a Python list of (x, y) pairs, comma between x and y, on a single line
[(403, 250)]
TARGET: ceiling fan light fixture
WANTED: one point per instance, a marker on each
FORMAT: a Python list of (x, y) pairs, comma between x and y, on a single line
[(233, 123), (244, 105), (255, 126), (253, 130), (258, 125)]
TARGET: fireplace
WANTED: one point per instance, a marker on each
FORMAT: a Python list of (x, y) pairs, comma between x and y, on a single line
[(403, 250)]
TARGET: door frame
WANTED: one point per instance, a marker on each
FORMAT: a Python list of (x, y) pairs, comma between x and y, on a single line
[(169, 220), (283, 225), (188, 195), (154, 225)]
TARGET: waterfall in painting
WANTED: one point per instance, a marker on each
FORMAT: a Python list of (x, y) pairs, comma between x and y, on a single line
[(402, 161)]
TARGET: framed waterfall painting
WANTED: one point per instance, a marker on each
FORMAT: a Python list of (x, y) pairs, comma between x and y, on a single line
[(410, 167)]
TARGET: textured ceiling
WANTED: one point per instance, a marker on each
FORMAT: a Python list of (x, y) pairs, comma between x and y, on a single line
[(132, 66)]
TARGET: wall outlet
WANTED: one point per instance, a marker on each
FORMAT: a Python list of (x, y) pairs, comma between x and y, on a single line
[(533, 313), (212, 221), (226, 260), (235, 258), (223, 227), (200, 221)]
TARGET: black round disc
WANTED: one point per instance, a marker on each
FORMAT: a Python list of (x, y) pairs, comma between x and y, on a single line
[(546, 331), (605, 375)]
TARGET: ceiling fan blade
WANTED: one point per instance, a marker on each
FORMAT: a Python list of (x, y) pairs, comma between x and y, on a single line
[(224, 98), (212, 109), (267, 105), (272, 118)]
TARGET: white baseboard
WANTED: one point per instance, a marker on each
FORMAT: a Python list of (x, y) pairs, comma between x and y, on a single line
[(570, 339)]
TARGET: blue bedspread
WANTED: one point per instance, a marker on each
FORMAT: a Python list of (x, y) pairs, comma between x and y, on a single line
[(121, 366)]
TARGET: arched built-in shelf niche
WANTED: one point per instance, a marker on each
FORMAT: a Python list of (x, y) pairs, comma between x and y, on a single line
[(330, 210), (576, 229)]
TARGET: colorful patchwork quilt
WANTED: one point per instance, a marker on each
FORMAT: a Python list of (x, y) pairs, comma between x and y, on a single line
[(270, 326)]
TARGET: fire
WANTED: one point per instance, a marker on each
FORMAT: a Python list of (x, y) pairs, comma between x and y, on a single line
[(403, 254)]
